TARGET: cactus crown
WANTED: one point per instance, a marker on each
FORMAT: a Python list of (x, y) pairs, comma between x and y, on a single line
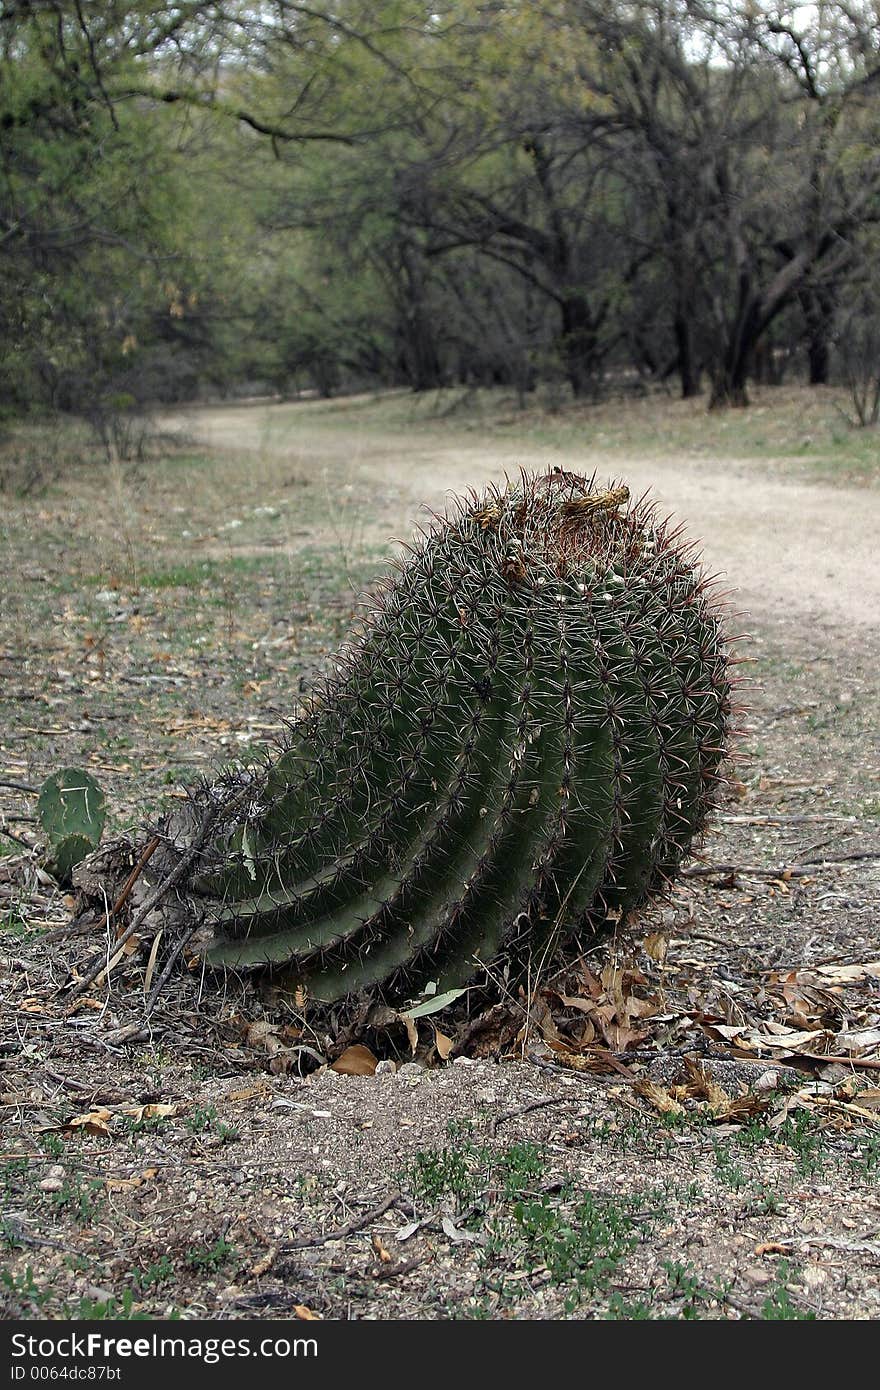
[(523, 740)]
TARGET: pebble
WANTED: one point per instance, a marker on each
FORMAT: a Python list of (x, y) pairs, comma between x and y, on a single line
[(54, 1179), (386, 1068), (411, 1071)]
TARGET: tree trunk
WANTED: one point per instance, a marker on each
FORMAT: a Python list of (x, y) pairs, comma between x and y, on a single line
[(688, 367), (818, 311), (579, 347)]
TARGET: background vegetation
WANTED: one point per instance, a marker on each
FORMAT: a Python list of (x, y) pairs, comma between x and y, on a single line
[(202, 199)]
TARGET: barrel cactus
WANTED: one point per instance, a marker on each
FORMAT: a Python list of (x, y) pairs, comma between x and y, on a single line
[(521, 741)]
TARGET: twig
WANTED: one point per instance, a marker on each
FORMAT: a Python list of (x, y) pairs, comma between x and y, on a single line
[(525, 1110), (70, 929), (392, 1271), (341, 1232), (863, 1063), (785, 820), (795, 870), (67, 1082), (750, 871), (166, 971), (846, 858), (135, 874), (689, 934), (18, 786), (156, 896)]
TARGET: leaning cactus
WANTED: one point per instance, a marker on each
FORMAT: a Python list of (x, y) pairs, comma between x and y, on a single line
[(71, 809), (522, 742)]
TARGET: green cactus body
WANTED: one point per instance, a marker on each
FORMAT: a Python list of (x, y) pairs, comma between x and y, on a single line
[(522, 741), (72, 810)]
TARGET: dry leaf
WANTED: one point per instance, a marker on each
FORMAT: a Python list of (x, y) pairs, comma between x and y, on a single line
[(577, 1001), (356, 1061), (619, 1037), (443, 1045), (249, 1092), (858, 1039), (304, 1312), (122, 1184), (656, 946), (846, 974), (149, 1112), (659, 1097), (151, 963), (384, 1255), (92, 1122), (701, 1086), (412, 1032), (264, 1263)]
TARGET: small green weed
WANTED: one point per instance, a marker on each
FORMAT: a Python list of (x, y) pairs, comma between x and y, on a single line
[(146, 1124), (620, 1310), (9, 1236), (777, 1306), (806, 1145), (580, 1245), (728, 1169), (204, 1119), (23, 1288), (12, 1172), (685, 1284), (212, 1257), (77, 1198), (439, 1175), (159, 1272), (97, 1310), (866, 1164)]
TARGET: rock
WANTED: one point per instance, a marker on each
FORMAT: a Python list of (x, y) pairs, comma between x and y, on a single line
[(410, 1071), (54, 1179)]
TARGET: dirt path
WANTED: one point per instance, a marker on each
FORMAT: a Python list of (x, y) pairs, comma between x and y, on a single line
[(790, 548)]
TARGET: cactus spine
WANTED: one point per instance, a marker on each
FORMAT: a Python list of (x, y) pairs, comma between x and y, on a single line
[(525, 736)]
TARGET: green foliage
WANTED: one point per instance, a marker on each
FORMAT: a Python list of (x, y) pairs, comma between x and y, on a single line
[(110, 1309), (778, 1305), (203, 1119), (580, 1243), (159, 1272), (78, 1197), (210, 1257), (23, 1288), (72, 811), (522, 743), (340, 195)]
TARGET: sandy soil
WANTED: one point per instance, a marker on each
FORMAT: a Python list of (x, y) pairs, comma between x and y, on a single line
[(790, 549)]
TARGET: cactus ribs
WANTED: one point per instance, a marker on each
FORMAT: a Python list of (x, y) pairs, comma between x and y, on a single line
[(521, 742)]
